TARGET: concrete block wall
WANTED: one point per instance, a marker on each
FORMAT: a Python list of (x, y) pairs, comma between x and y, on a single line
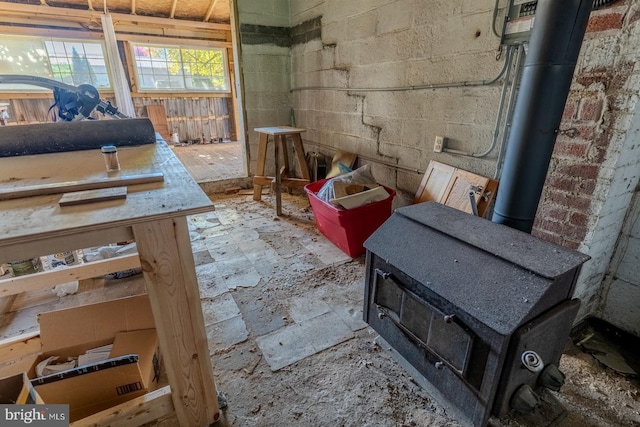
[(397, 43), (596, 162), (266, 67)]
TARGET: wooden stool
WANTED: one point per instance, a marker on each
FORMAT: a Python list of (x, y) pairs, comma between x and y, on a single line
[(279, 134)]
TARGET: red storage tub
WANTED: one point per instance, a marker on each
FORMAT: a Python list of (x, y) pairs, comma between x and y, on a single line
[(348, 228)]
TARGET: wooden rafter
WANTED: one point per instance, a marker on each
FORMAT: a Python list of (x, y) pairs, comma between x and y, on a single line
[(212, 5), (15, 9), (173, 9), (133, 7), (90, 4)]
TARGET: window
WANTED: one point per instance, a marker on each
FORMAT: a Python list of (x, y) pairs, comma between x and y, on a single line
[(69, 61), (180, 68)]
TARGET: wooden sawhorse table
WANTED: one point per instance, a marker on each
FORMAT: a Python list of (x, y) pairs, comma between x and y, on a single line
[(279, 134), (155, 216)]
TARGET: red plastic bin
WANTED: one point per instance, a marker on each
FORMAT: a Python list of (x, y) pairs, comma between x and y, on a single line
[(348, 228)]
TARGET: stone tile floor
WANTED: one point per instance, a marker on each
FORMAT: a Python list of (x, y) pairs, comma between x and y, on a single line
[(242, 253)]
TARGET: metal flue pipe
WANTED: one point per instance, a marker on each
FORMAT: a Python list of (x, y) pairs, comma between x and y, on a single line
[(554, 46)]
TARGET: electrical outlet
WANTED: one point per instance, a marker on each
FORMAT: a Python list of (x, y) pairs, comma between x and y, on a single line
[(438, 145)]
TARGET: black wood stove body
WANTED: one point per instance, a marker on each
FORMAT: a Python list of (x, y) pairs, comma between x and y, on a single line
[(482, 311)]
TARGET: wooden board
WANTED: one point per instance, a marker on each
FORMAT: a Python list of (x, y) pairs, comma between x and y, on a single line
[(460, 185), (48, 279), (158, 116), (76, 186), (93, 196), (434, 183), (451, 186)]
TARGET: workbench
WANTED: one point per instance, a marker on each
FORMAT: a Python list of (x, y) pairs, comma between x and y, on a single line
[(154, 215)]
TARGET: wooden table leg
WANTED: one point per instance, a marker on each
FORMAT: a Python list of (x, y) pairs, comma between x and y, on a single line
[(167, 264), (260, 163), (278, 142)]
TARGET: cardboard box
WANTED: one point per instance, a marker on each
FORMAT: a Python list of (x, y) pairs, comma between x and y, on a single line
[(128, 324), (17, 389)]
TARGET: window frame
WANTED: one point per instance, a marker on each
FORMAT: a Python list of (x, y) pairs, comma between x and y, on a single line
[(134, 66)]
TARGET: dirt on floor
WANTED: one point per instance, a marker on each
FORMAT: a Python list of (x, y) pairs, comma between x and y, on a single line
[(357, 383)]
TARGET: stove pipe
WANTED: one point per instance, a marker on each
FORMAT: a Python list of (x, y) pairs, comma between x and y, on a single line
[(554, 46)]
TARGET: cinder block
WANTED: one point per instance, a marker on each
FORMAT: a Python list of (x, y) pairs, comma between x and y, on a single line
[(362, 26), (432, 15), (388, 74), (395, 17), (334, 32)]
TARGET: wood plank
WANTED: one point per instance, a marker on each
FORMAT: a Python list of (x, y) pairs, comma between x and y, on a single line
[(158, 116), (279, 130), (134, 412), (17, 347), (168, 267), (461, 184), (50, 278), (93, 196), (80, 185), (262, 180), (434, 182), (90, 16)]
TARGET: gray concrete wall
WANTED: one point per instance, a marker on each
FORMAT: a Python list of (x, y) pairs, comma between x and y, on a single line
[(621, 293), (382, 44), (266, 66)]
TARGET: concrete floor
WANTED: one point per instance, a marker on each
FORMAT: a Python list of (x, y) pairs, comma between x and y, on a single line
[(212, 162)]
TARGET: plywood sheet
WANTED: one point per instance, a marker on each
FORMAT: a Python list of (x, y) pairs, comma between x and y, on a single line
[(158, 116), (452, 187), (434, 183)]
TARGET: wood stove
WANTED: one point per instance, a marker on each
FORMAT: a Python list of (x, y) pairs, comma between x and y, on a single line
[(482, 311)]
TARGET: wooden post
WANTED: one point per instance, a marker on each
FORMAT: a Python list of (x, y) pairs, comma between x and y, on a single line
[(168, 267)]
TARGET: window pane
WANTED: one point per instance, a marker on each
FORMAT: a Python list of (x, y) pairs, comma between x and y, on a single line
[(67, 61), (186, 68)]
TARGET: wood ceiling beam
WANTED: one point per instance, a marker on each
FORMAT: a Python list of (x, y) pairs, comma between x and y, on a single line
[(133, 7), (173, 9), (62, 13), (90, 4), (212, 5)]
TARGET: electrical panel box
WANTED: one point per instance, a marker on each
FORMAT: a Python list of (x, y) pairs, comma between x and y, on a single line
[(518, 22)]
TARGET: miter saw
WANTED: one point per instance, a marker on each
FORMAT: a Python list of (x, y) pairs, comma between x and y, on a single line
[(73, 103)]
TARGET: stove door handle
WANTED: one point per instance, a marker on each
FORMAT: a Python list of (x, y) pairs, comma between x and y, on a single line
[(384, 274)]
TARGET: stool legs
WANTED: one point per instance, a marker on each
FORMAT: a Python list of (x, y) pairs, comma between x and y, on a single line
[(262, 159), (281, 176), (278, 142), (299, 149)]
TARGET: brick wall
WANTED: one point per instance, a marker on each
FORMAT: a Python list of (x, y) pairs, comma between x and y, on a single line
[(595, 166)]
